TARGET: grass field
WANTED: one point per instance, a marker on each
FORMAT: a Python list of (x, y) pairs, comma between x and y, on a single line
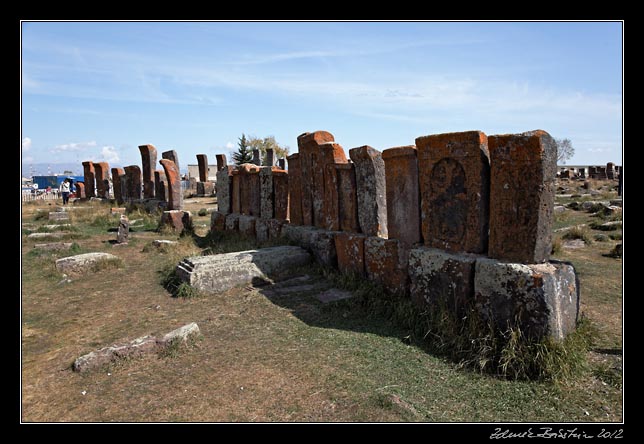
[(262, 358)]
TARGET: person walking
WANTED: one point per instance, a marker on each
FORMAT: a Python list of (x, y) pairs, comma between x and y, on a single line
[(64, 190)]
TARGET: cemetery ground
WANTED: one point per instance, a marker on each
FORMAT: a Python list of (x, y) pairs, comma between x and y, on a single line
[(287, 358)]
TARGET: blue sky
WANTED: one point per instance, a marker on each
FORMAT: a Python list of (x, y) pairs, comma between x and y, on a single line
[(95, 91)]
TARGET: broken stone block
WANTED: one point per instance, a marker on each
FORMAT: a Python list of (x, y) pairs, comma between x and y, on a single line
[(386, 263), (247, 225), (371, 190), (217, 221), (173, 177), (232, 222), (123, 231), (89, 176), (440, 279), (454, 171), (148, 161), (202, 161), (403, 198), (522, 190), (58, 215), (281, 195), (349, 248), (177, 220), (221, 272), (295, 189), (180, 335), (540, 299), (82, 263)]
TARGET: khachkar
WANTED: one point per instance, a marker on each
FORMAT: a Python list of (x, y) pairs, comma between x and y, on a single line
[(118, 187), (148, 161), (80, 190), (371, 194), (102, 174), (160, 185), (295, 188), (133, 182), (174, 217), (171, 155), (89, 175), (204, 187)]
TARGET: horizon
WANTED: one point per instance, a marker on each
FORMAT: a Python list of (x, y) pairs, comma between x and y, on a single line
[(97, 90)]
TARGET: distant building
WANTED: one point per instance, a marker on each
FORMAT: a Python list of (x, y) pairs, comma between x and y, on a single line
[(193, 171)]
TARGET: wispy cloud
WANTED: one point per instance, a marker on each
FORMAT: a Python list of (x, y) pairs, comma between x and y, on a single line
[(109, 154), (26, 144), (230, 145), (70, 147)]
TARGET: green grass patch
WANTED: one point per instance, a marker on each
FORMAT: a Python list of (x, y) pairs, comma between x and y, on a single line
[(578, 232), (202, 212)]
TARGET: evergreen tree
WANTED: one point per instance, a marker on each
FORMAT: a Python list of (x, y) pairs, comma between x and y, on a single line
[(244, 154)]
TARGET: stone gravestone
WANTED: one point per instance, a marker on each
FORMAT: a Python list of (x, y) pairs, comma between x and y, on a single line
[(308, 144), (80, 190), (324, 195), (267, 193), (620, 181), (102, 175), (403, 199), (171, 155), (347, 197), (173, 178), (371, 194), (295, 189), (256, 158), (522, 193), (281, 163), (454, 171), (160, 185), (270, 158), (235, 197), (90, 176), (117, 174), (281, 192), (123, 232), (221, 161), (610, 170), (133, 181), (249, 190), (202, 161), (148, 161), (224, 188)]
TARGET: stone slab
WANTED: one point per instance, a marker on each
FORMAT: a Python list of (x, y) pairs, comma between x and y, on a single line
[(332, 295), (82, 263), (371, 190), (386, 262), (349, 248)]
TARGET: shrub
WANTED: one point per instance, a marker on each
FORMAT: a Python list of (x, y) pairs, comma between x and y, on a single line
[(202, 212)]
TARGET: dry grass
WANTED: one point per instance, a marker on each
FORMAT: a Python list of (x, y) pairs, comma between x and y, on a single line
[(260, 359)]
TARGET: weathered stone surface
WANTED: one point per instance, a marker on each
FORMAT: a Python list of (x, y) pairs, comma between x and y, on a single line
[(117, 188), (160, 185), (171, 155), (247, 225), (232, 222), (281, 163), (56, 226), (324, 195), (308, 149), (82, 263), (332, 295), (541, 299), (371, 190), (522, 192), (347, 197), (217, 221), (403, 199), (102, 176), (222, 162), (123, 231), (256, 158), (45, 236), (281, 195), (275, 228), (224, 189), (270, 158), (559, 209), (266, 192), (205, 189), (261, 230), (90, 176), (133, 182), (161, 243), (134, 348), (149, 162), (80, 190), (173, 177), (295, 189), (322, 245), (441, 279), (221, 272), (235, 200), (58, 215), (249, 190), (54, 246), (177, 220), (454, 172), (386, 263), (349, 248), (202, 161), (297, 234)]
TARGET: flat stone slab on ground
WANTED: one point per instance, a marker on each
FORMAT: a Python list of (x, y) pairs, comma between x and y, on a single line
[(56, 226), (163, 243), (574, 244), (221, 272), (136, 347), (54, 246), (82, 263), (58, 215), (333, 294), (45, 235)]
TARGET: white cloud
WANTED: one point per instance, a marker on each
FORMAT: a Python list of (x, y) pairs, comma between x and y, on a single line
[(28, 159), (110, 154), (230, 145), (26, 143), (80, 146)]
